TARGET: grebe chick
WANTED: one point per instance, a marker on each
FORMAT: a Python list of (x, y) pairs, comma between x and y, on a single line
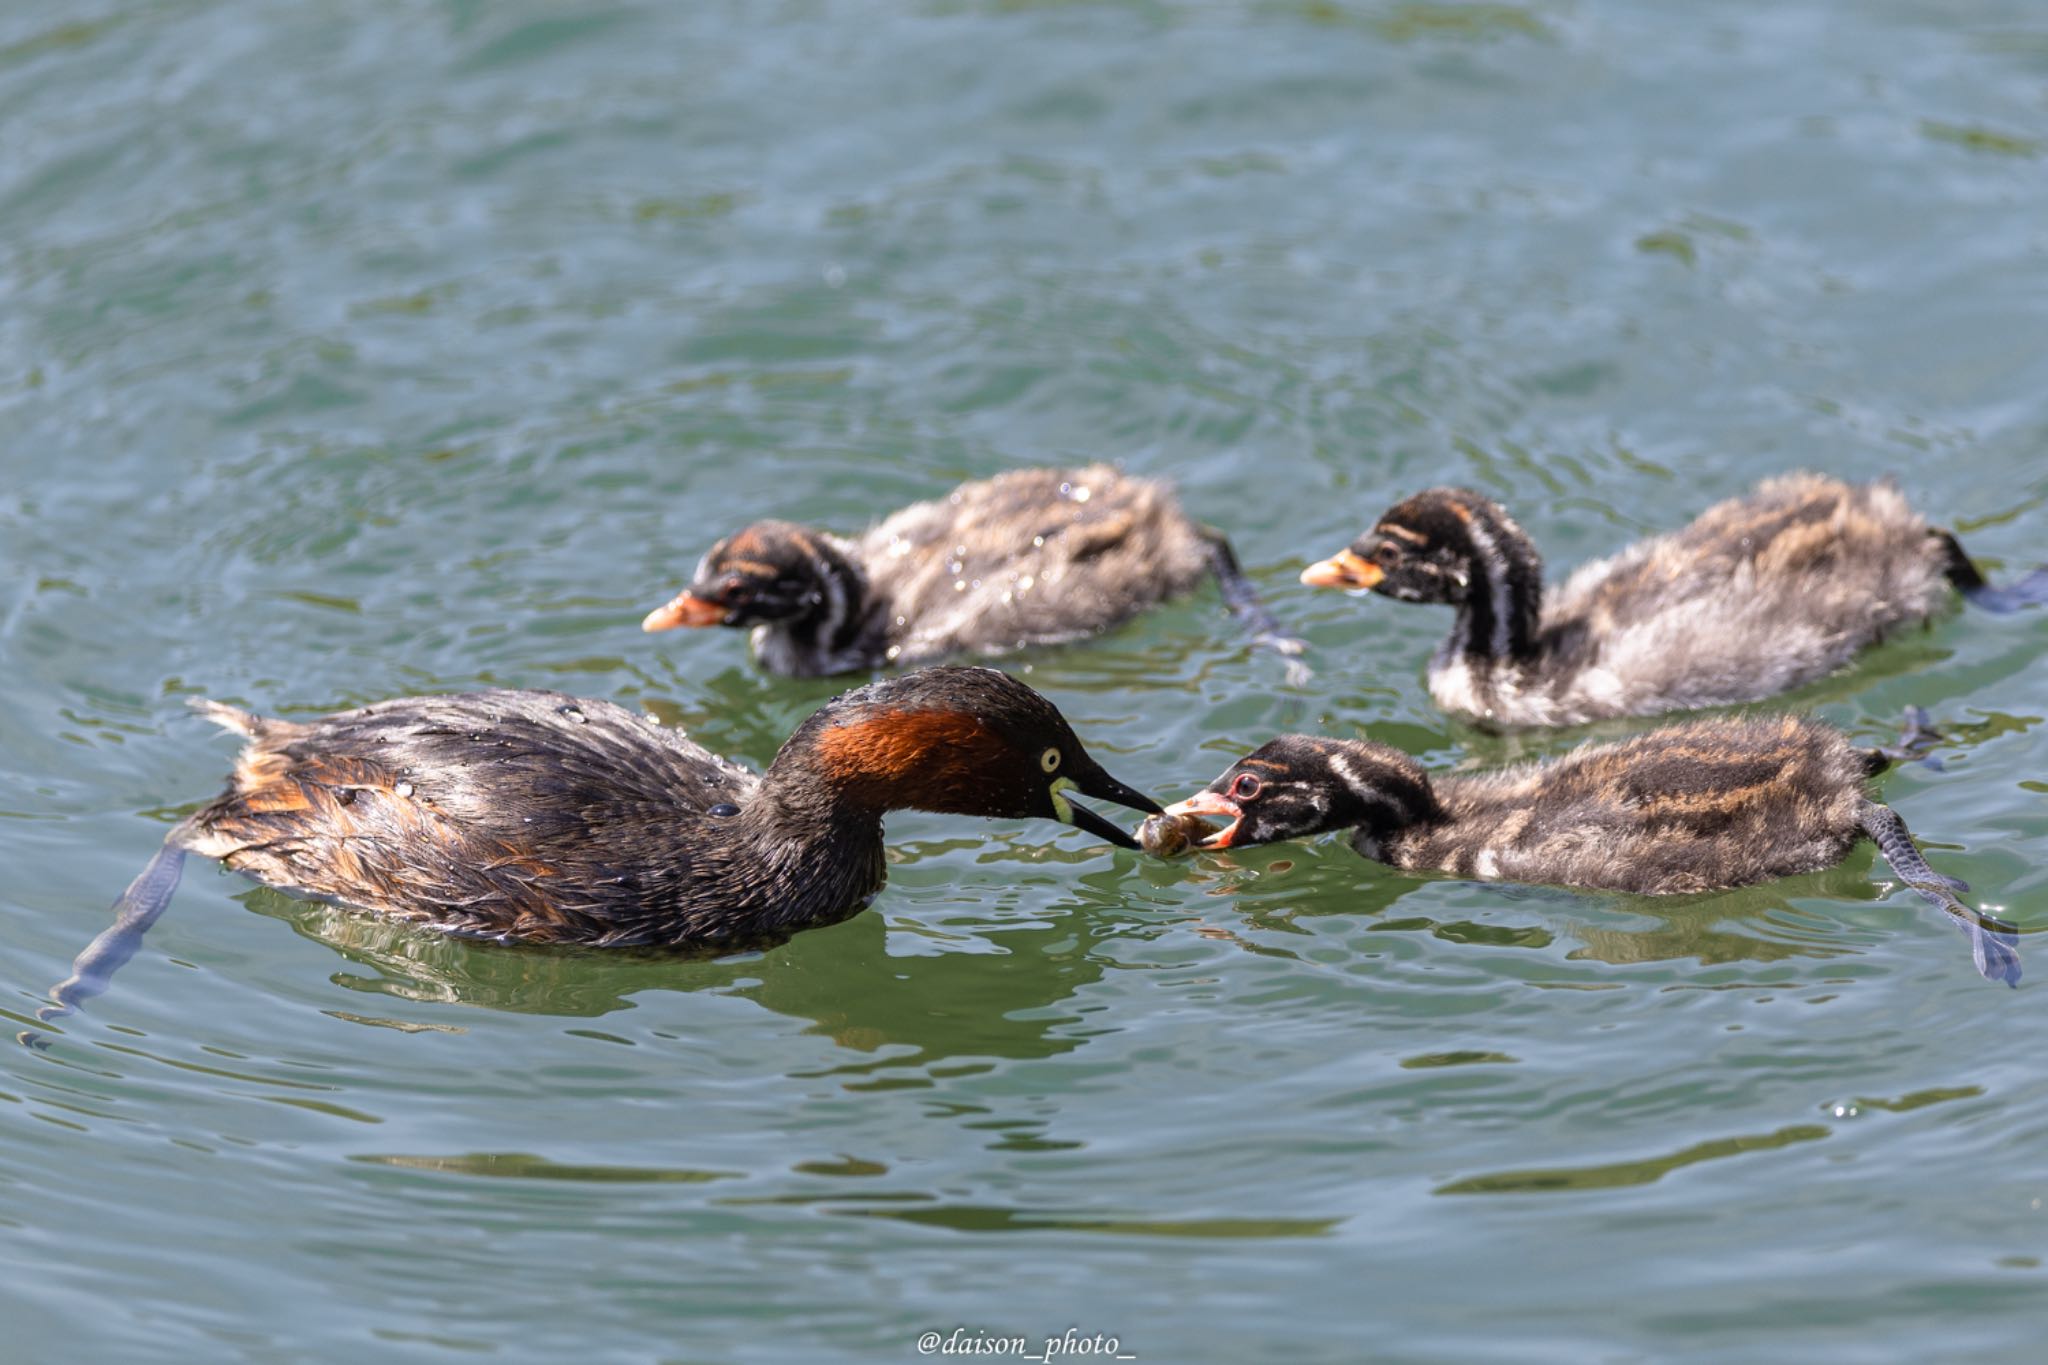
[(1698, 806), (1030, 557), (545, 818), (1760, 594)]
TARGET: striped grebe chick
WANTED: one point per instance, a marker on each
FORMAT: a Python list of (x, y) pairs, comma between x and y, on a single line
[(1760, 594), (1030, 557), (1701, 805), (545, 818)]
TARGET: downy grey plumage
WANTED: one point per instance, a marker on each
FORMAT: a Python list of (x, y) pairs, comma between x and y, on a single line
[(1701, 805), (1029, 557), (1760, 594)]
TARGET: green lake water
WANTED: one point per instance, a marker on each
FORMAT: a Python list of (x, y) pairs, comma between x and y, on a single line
[(356, 350)]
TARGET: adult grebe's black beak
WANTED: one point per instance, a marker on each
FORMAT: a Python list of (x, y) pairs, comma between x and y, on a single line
[(1097, 782)]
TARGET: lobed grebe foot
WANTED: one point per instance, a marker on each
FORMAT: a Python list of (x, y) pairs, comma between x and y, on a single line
[(138, 907), (1994, 944), (1251, 611), (2005, 598), (1917, 735)]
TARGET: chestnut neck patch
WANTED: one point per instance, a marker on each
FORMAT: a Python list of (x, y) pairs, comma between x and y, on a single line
[(907, 751)]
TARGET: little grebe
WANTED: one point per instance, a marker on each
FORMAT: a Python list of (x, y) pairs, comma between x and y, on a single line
[(1760, 594), (1699, 806), (1031, 557), (546, 818)]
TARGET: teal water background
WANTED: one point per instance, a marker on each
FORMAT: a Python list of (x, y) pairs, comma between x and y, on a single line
[(353, 350)]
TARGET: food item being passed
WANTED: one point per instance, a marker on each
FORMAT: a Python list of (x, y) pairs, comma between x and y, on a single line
[(1169, 836)]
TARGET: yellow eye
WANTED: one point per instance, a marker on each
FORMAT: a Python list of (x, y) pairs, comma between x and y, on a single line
[(1050, 760)]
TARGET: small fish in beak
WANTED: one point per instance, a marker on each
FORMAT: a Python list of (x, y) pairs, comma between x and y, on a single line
[(1209, 803), (1168, 836)]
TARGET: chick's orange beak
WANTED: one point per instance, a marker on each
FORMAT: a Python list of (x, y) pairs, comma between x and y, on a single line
[(1211, 803), (1345, 569), (687, 609)]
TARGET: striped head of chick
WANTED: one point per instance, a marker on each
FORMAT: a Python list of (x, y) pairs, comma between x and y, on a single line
[(1299, 785), (1451, 546), (772, 573)]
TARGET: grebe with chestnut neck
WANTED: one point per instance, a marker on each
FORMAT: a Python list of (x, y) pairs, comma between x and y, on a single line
[(544, 818)]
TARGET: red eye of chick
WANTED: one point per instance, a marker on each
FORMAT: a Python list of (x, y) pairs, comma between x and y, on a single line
[(1246, 787), (732, 582)]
